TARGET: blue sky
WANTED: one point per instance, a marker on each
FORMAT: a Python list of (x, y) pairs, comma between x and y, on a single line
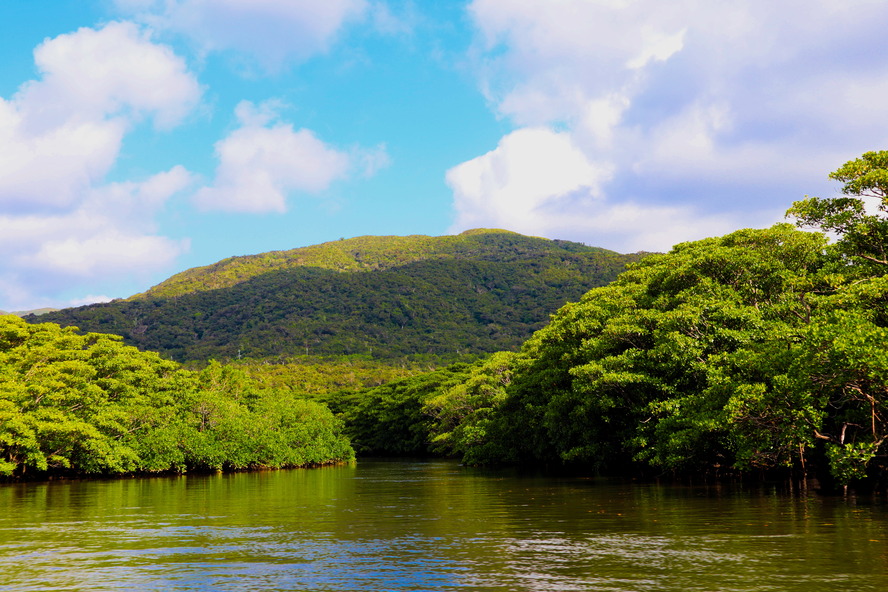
[(143, 137)]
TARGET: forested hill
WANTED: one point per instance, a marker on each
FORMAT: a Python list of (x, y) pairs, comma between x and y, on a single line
[(22, 313), (369, 253), (387, 297)]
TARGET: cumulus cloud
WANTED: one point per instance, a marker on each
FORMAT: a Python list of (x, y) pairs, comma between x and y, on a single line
[(109, 251), (264, 160), (51, 166), (61, 134), (539, 182), (707, 115), (529, 168), (271, 31), (112, 70), (111, 232)]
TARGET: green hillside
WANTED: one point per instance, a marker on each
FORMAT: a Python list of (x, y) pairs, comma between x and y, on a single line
[(363, 253), (23, 313), (384, 297)]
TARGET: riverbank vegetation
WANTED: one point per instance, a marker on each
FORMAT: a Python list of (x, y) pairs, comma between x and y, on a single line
[(75, 404), (757, 351), (763, 351)]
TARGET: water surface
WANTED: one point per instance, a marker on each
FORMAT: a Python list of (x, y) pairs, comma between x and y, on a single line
[(408, 526)]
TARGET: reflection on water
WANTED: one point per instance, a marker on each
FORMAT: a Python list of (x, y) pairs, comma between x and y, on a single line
[(403, 526)]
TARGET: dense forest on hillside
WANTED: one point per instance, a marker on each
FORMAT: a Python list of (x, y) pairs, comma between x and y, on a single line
[(75, 404), (319, 375), (369, 253), (488, 291)]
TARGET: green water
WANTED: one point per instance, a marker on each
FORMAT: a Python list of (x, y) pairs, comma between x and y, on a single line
[(431, 526)]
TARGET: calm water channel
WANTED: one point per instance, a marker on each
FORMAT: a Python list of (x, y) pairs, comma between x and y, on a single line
[(401, 526)]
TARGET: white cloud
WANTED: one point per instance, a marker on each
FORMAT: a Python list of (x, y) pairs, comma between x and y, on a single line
[(264, 160), (272, 31), (93, 74), (111, 231), (539, 182), (104, 253), (722, 114), (61, 134), (530, 168), (156, 190), (52, 166), (659, 47)]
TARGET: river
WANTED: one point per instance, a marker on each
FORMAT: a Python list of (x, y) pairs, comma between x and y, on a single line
[(408, 526)]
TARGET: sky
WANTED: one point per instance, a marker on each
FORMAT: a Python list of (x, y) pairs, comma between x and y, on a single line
[(139, 138)]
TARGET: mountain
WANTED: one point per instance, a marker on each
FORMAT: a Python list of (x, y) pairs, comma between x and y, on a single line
[(363, 253), (24, 313), (386, 297)]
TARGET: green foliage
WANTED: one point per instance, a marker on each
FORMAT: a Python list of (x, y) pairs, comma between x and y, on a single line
[(419, 298), (762, 350), (87, 404), (863, 235), (364, 253), (315, 376), (843, 364), (866, 176), (849, 461), (688, 360), (631, 372), (747, 352), (390, 419), (461, 414)]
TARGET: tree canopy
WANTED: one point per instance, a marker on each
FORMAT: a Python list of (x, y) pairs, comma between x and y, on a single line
[(73, 403), (863, 234), (762, 350)]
